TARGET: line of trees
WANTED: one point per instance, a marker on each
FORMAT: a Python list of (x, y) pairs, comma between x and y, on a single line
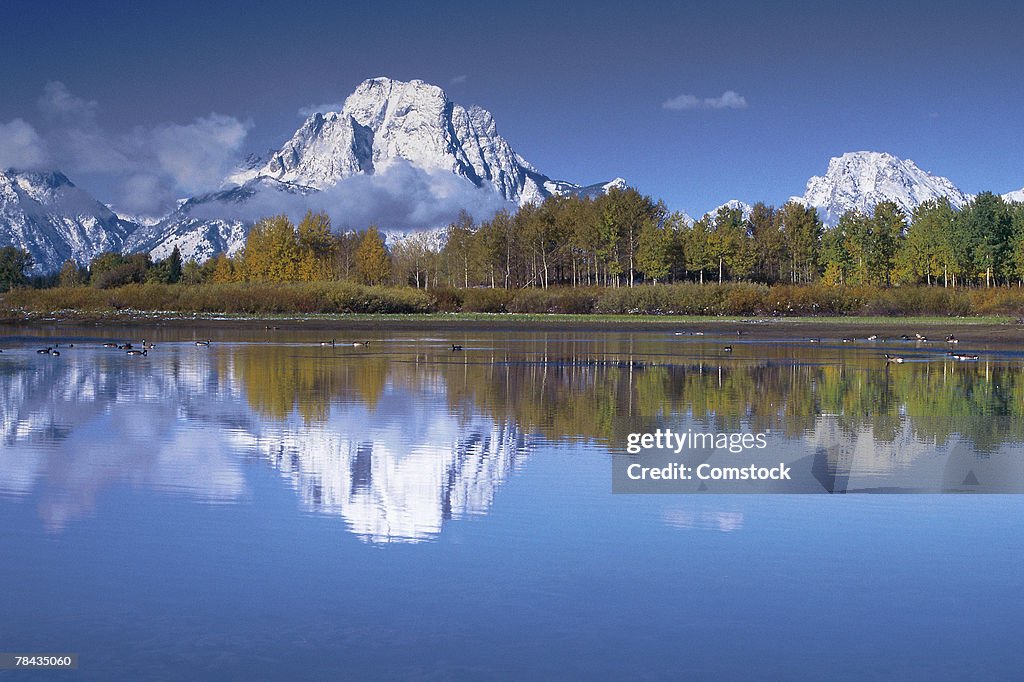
[(619, 239)]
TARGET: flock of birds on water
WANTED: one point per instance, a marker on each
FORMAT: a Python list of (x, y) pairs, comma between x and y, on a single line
[(894, 359), (144, 348)]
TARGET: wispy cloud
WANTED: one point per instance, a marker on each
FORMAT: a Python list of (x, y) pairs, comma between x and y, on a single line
[(306, 112), (730, 99), (149, 167), (57, 103), (21, 146), (459, 80)]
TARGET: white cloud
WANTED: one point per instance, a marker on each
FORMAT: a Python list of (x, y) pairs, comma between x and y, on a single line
[(57, 102), (397, 196), (730, 99), (196, 156), (147, 167), (306, 112), (21, 146), (459, 80)]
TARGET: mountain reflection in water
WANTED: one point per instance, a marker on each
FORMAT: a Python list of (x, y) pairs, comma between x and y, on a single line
[(400, 440)]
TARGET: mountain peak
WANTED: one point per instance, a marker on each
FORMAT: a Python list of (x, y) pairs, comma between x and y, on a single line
[(860, 180), (386, 119), (47, 215)]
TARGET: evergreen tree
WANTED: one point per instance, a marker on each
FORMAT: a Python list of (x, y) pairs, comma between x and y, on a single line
[(14, 265)]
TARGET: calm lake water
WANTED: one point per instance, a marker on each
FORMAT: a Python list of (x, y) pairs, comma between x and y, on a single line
[(267, 507)]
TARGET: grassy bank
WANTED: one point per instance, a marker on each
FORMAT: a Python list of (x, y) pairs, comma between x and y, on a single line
[(677, 300)]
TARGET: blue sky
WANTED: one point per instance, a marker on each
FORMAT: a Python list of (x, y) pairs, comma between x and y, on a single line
[(578, 89)]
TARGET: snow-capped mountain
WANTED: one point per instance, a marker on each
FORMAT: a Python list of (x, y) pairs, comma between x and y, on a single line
[(1014, 197), (860, 180), (742, 206), (386, 119), (205, 226), (45, 214)]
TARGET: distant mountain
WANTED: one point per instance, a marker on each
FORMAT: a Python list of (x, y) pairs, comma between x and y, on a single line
[(206, 225), (386, 119), (860, 180), (45, 214), (743, 207), (1017, 196), (383, 121)]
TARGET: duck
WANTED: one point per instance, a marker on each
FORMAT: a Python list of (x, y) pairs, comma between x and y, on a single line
[(893, 358), (813, 340), (456, 347), (55, 353), (202, 344), (873, 337), (45, 351), (357, 344), (727, 349), (961, 356), (147, 346), (110, 344), (136, 351), (328, 343), (126, 346), (952, 339), (847, 340)]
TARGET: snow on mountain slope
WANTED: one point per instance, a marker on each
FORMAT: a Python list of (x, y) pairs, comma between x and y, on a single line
[(45, 214), (387, 119), (860, 180), (205, 226), (1017, 196), (742, 206)]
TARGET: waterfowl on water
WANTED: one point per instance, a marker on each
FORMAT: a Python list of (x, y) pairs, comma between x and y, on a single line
[(55, 353), (813, 340), (357, 344), (727, 349), (135, 351), (952, 339), (203, 343), (456, 347), (45, 351), (328, 343), (126, 346), (961, 356), (110, 344), (147, 346), (847, 340), (873, 337), (905, 337), (893, 358)]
